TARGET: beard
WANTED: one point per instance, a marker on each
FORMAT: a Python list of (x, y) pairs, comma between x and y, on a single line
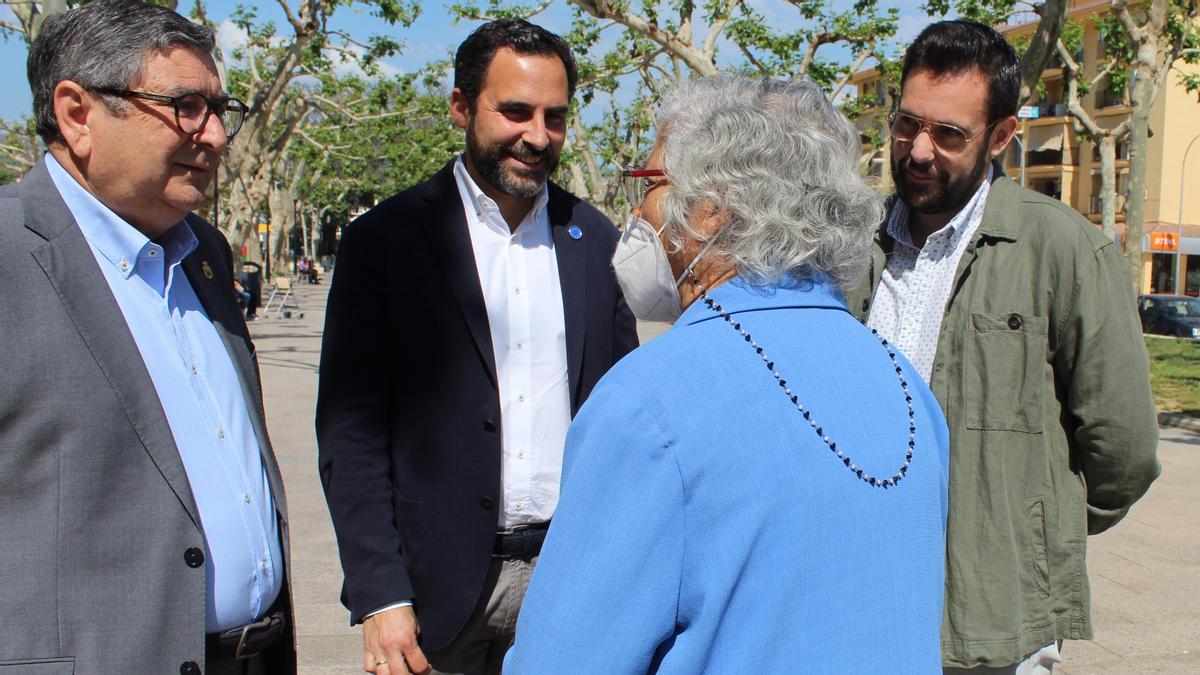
[(942, 194), (516, 182)]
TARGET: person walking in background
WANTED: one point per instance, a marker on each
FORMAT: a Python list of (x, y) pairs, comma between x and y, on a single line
[(469, 317), (1021, 316), (142, 519), (762, 488)]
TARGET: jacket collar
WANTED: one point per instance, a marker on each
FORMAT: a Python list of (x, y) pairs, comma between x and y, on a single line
[(1004, 200), (46, 213), (738, 295)]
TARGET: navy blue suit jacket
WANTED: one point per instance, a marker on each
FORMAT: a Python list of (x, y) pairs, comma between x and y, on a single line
[(408, 411)]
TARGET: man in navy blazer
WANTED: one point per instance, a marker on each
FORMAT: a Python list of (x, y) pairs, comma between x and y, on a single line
[(468, 320)]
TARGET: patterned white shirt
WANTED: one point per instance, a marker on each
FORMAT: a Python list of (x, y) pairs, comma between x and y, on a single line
[(911, 298)]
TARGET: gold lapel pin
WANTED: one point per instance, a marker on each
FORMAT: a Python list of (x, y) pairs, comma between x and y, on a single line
[(208, 273)]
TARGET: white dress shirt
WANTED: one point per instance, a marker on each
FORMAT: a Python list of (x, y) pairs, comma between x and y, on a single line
[(518, 273), (911, 298)]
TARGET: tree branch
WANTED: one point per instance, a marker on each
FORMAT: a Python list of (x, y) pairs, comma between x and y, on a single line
[(1042, 45), (1121, 9), (709, 48), (754, 61), (1081, 120), (854, 68), (291, 16), (682, 49)]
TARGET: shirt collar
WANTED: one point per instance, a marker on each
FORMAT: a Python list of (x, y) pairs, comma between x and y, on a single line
[(738, 295), (116, 240), (969, 214), (481, 203)]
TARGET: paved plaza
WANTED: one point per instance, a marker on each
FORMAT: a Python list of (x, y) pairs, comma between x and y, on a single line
[(1145, 573)]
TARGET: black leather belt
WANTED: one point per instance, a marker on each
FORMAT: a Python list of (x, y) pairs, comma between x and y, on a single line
[(247, 641), (521, 542)]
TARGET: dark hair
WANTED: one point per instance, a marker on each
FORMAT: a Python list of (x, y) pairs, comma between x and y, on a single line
[(476, 52), (102, 45), (957, 47)]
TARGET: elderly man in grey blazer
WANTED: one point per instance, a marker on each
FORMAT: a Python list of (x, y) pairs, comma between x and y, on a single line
[(142, 518)]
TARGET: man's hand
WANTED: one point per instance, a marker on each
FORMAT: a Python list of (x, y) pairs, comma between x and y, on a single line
[(390, 643)]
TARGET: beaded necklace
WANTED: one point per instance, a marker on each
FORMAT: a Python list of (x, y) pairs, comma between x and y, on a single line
[(867, 478)]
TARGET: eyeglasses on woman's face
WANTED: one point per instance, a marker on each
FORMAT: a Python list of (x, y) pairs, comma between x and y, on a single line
[(636, 183)]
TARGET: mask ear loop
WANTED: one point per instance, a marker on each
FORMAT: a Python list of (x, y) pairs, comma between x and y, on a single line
[(690, 270)]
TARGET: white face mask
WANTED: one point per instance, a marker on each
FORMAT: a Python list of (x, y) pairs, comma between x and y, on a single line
[(644, 273)]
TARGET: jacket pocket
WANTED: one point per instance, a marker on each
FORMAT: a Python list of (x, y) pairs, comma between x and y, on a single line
[(1038, 564), (1005, 371), (64, 666)]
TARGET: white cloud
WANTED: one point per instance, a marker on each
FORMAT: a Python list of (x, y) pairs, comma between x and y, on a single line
[(230, 37)]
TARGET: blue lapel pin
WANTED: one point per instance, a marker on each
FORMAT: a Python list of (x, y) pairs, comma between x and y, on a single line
[(575, 232)]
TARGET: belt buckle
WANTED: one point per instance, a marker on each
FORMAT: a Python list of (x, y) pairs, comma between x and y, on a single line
[(264, 622)]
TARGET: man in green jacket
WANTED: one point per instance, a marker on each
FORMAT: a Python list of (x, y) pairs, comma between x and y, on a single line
[(1020, 314)]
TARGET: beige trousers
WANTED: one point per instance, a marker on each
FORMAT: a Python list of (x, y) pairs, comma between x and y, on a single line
[(480, 647)]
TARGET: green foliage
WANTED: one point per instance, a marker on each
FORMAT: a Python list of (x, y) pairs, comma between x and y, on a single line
[(988, 12), (20, 148), (1175, 374), (373, 139)]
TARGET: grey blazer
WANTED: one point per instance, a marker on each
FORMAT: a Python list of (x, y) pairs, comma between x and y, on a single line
[(96, 513)]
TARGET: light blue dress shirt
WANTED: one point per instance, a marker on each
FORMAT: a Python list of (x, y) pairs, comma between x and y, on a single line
[(705, 528), (201, 395)]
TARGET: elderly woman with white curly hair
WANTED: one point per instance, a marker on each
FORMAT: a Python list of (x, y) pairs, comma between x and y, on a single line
[(763, 487)]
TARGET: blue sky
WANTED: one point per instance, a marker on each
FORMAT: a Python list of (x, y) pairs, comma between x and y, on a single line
[(433, 36)]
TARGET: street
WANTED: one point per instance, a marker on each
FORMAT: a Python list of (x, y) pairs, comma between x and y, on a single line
[(1145, 573)]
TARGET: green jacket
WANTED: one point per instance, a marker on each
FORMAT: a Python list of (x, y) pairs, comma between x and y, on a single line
[(1044, 379)]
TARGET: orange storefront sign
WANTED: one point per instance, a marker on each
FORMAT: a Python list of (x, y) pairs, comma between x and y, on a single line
[(1164, 241)]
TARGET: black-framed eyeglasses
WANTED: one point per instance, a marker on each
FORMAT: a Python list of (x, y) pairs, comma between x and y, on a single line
[(946, 137), (193, 110), (635, 185)]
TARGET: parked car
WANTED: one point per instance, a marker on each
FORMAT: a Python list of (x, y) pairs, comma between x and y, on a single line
[(1177, 315)]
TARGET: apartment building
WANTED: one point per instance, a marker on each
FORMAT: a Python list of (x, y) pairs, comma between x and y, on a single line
[(1051, 158)]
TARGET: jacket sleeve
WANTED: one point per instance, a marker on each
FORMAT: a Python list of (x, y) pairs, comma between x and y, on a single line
[(1101, 360), (353, 401), (604, 596)]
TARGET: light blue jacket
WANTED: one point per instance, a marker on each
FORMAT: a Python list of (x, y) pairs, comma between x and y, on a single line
[(705, 528)]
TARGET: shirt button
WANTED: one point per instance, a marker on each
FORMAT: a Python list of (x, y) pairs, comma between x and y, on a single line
[(221, 434), (518, 290), (521, 398), (189, 668), (1014, 321), (195, 370), (124, 266), (153, 253), (520, 345), (246, 498), (519, 507), (487, 503), (263, 565), (522, 455)]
